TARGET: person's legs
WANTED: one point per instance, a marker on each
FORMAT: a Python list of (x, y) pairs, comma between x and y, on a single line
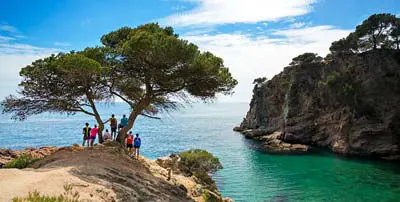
[(83, 142)]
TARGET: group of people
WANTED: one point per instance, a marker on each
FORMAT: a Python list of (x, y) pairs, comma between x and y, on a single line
[(89, 134)]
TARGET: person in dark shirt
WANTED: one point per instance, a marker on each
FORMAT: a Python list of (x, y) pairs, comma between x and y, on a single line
[(86, 134)]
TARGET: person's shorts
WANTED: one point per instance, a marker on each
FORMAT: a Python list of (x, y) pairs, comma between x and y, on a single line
[(86, 137), (113, 130), (129, 145), (93, 137), (136, 147)]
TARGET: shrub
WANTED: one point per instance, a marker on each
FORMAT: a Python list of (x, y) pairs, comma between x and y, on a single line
[(22, 161), (67, 196), (197, 160), (209, 197), (206, 180)]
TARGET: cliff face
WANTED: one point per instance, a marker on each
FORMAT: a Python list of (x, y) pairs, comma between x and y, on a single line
[(350, 104)]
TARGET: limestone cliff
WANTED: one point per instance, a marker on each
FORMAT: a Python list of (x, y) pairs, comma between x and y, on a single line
[(350, 104)]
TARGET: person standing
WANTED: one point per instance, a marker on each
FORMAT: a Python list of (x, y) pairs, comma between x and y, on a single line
[(93, 134), (124, 121), (86, 134), (113, 126), (129, 141), (136, 145)]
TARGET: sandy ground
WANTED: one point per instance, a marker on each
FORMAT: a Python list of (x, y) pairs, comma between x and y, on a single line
[(18, 183), (102, 173)]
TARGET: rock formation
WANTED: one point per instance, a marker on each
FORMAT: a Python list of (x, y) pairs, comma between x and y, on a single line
[(350, 104)]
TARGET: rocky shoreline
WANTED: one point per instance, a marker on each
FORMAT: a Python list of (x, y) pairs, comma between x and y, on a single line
[(272, 142)]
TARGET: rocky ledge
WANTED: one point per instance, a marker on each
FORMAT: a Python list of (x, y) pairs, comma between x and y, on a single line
[(272, 141), (7, 155)]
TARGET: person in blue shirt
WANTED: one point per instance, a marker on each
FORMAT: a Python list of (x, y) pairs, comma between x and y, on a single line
[(124, 121), (136, 145)]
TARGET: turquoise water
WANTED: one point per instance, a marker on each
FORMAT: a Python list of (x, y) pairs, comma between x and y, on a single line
[(249, 175)]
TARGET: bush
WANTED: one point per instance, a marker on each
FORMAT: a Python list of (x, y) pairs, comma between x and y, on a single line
[(209, 197), (206, 180), (67, 196), (22, 161), (197, 160)]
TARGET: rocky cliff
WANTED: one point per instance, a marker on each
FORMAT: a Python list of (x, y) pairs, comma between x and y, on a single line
[(349, 103)]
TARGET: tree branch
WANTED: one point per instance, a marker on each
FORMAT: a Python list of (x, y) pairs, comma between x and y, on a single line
[(149, 116)]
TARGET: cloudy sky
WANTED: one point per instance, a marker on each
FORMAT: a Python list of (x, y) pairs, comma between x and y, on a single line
[(254, 37)]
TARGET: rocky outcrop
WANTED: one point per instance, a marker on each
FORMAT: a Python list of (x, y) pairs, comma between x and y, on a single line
[(7, 155), (349, 104), (105, 172), (195, 170)]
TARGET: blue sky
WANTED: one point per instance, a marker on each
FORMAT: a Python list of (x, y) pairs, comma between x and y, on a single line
[(254, 37)]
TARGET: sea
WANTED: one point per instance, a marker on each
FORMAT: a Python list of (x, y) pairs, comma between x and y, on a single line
[(249, 174)]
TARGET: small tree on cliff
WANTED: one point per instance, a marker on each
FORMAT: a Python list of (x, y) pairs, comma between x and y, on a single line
[(61, 83), (395, 34), (306, 58), (374, 31), (155, 69)]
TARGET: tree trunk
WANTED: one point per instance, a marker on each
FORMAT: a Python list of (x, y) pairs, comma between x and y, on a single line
[(132, 118), (374, 41), (101, 128), (122, 133), (100, 133)]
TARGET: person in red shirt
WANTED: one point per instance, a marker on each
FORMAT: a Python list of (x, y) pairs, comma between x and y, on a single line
[(129, 141), (93, 134)]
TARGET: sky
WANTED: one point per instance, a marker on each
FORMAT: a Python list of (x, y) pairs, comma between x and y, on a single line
[(256, 38)]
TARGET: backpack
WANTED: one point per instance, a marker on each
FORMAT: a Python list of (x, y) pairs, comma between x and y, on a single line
[(137, 141), (113, 122)]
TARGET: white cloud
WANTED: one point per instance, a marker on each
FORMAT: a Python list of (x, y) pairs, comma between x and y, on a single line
[(61, 43), (8, 28), (249, 57), (6, 38), (178, 8), (14, 56), (214, 12), (297, 25)]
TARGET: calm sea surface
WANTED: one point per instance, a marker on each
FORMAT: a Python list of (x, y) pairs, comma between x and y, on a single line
[(248, 174)]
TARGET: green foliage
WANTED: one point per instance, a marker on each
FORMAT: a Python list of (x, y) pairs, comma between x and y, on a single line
[(208, 197), (67, 196), (260, 80), (22, 161), (205, 180), (395, 34), (377, 31), (197, 160), (65, 83), (345, 45), (149, 67), (306, 58), (155, 68)]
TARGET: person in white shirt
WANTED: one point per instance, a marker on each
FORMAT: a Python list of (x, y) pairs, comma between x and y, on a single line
[(107, 136)]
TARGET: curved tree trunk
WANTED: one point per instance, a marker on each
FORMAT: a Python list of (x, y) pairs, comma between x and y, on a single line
[(132, 118), (100, 133)]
